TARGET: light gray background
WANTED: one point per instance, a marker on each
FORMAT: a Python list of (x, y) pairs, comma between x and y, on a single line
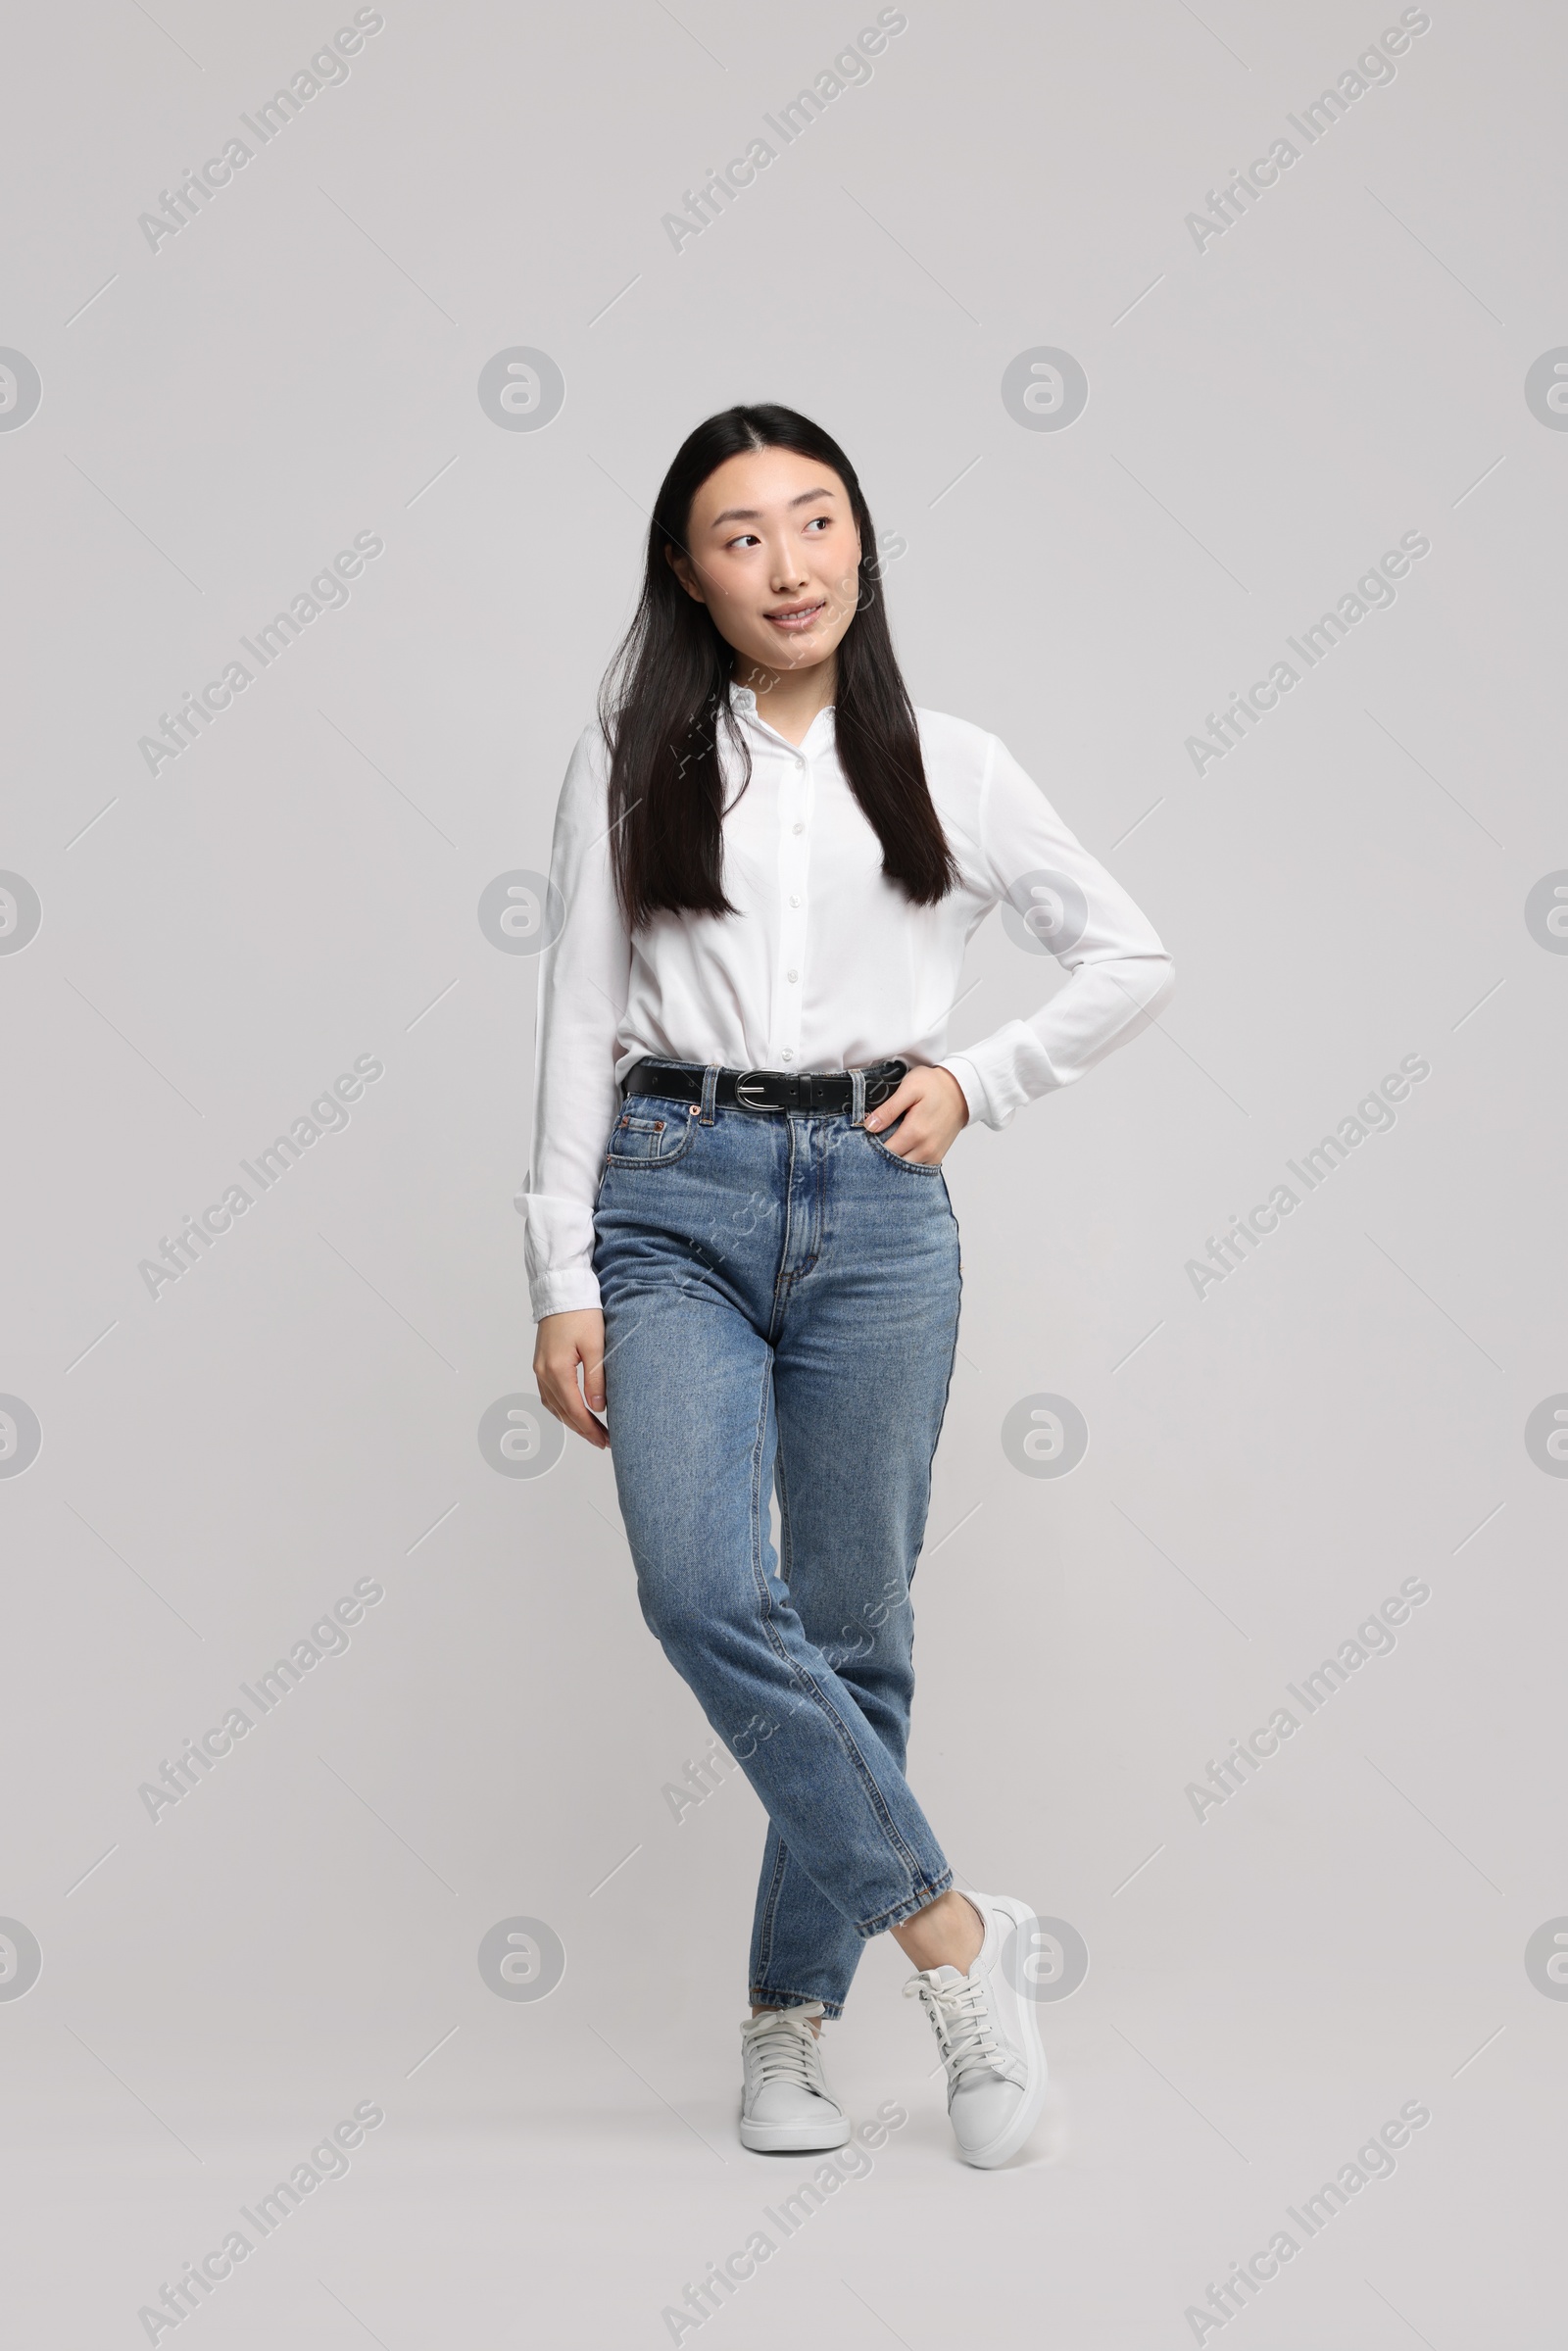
[(301, 1409)]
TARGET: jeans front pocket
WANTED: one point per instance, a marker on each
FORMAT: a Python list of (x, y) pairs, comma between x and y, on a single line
[(920, 1167), (650, 1134)]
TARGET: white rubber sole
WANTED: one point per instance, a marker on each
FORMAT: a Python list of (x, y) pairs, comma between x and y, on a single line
[(1002, 2149), (794, 2139)]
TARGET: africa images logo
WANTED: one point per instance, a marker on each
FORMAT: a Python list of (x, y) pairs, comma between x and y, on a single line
[(850, 70), (327, 1115), (194, 191)]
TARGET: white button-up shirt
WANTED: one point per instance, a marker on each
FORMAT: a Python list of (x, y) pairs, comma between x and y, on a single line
[(825, 966)]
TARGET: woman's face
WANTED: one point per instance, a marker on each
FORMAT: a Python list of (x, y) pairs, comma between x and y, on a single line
[(774, 554)]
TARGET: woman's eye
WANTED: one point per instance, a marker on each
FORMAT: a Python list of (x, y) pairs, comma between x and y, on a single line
[(819, 519)]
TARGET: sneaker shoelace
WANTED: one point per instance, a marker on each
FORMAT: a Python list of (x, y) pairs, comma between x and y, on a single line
[(961, 2017), (784, 2048)]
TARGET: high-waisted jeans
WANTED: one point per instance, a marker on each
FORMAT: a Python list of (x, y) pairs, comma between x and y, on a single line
[(781, 1309)]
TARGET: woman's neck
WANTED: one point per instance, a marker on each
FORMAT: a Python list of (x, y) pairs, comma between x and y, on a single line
[(788, 699)]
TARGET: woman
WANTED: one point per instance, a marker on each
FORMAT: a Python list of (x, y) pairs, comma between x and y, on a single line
[(740, 1245)]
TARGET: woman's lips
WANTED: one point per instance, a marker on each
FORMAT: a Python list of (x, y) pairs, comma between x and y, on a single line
[(796, 617)]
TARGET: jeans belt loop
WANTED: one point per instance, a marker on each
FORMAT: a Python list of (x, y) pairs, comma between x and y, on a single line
[(857, 1097), (710, 1090)]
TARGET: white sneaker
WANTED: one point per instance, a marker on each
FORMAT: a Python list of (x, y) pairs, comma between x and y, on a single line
[(786, 2106), (990, 2044)]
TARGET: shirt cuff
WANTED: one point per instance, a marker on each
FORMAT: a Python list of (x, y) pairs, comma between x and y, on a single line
[(572, 1291), (971, 1086)]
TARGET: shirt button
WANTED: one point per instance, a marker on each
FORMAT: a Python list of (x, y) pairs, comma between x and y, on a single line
[(787, 1054), (792, 976), (795, 901), (797, 828)]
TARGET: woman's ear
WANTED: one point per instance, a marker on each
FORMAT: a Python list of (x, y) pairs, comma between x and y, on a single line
[(681, 564)]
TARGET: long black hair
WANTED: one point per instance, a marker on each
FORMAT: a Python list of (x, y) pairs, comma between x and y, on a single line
[(667, 694)]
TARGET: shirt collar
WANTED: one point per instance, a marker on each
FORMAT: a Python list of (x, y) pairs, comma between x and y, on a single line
[(743, 702)]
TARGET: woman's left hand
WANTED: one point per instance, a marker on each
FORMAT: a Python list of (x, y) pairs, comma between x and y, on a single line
[(930, 1102)]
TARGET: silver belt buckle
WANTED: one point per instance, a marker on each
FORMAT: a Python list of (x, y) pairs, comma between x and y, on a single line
[(751, 1090)]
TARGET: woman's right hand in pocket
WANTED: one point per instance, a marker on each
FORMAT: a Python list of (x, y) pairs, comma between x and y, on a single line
[(565, 1341)]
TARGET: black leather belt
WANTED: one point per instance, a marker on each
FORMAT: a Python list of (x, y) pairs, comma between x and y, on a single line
[(767, 1089)]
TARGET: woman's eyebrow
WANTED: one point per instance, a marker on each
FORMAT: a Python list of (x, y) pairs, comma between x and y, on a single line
[(752, 514)]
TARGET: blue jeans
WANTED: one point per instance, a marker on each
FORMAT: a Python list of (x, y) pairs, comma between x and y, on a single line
[(781, 1307)]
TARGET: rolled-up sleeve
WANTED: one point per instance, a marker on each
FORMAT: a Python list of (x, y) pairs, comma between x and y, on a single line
[(584, 975), (1119, 972)]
